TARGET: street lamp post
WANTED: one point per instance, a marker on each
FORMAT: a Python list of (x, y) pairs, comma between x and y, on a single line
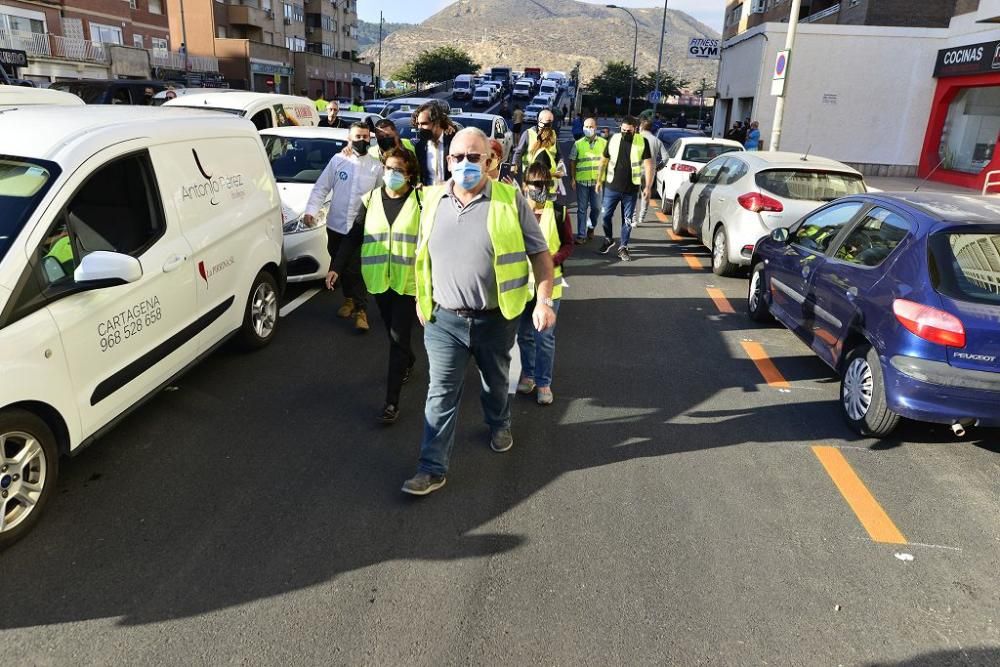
[(659, 59), (635, 51), (378, 83)]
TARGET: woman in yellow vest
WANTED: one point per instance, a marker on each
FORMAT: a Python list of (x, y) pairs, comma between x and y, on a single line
[(546, 151), (538, 349), (386, 230)]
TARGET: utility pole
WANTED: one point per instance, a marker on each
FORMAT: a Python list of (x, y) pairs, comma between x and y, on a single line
[(184, 41), (378, 83), (779, 106), (635, 51), (701, 102), (659, 59)]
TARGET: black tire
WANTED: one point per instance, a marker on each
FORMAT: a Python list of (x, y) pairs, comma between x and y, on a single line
[(757, 307), (260, 315), (16, 427), (675, 220), (721, 266), (861, 369), (666, 207)]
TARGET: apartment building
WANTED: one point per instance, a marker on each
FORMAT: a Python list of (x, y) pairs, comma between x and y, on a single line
[(275, 45), (73, 39), (743, 15)]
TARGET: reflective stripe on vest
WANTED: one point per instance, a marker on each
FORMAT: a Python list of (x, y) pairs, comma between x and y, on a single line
[(550, 229), (588, 159), (635, 155), (388, 255), (510, 259)]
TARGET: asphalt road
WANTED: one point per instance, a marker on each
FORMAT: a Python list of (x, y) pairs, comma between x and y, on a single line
[(673, 507)]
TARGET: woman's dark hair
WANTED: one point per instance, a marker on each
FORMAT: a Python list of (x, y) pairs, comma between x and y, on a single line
[(538, 171), (409, 159)]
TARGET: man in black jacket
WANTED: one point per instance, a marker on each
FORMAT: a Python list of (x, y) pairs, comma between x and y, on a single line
[(434, 134)]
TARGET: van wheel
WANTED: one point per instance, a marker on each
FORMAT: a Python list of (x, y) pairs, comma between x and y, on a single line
[(757, 306), (29, 466), (260, 320), (862, 394), (721, 265), (675, 218)]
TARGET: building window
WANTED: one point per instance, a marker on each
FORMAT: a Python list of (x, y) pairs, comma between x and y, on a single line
[(295, 13), (221, 31), (155, 6), (266, 5), (295, 44), (22, 23), (159, 46), (970, 131), (137, 42), (106, 34)]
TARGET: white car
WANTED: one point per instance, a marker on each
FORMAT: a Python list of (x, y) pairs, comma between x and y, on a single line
[(20, 96), (263, 109), (524, 88), (543, 101), (134, 242), (298, 156), (738, 198), (531, 112), (686, 156), (494, 126)]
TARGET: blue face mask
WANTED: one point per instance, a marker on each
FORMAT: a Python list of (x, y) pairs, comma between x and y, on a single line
[(466, 174), (394, 180), (589, 131)]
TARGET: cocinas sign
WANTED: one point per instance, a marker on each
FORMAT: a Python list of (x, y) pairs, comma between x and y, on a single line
[(965, 60)]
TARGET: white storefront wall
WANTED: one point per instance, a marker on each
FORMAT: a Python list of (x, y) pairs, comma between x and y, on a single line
[(859, 94)]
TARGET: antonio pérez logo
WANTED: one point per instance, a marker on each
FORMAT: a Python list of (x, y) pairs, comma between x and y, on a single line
[(212, 187)]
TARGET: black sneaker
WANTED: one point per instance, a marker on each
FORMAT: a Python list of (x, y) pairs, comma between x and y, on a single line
[(606, 246), (390, 413), (501, 440), (423, 483), (406, 374), (623, 255)]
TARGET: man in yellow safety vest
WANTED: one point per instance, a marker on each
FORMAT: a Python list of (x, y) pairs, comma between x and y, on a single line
[(584, 167), (479, 243), (626, 157)]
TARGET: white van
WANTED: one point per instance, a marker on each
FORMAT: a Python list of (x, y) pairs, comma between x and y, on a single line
[(20, 96), (483, 96), (549, 87), (263, 109), (462, 87), (132, 243)]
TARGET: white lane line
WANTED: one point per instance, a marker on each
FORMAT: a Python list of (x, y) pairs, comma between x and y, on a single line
[(298, 301)]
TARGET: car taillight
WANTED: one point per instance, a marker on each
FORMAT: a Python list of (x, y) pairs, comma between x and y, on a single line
[(929, 323), (757, 202), (682, 167)]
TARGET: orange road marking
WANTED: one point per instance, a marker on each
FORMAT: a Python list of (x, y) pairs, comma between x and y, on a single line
[(767, 369), (662, 217), (692, 261), (871, 515), (721, 302)]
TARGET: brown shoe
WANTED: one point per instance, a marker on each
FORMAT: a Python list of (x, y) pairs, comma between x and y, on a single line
[(347, 309), (360, 320)]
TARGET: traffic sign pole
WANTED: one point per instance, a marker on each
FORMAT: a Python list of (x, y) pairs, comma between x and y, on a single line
[(659, 60), (779, 106)]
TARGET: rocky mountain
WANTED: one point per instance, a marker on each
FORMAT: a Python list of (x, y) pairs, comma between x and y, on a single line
[(368, 32), (553, 35)]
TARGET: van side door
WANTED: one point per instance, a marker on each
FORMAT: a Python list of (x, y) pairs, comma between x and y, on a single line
[(121, 341)]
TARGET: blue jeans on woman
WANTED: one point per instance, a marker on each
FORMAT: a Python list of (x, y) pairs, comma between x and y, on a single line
[(538, 349), (611, 199), (451, 341), (587, 202)]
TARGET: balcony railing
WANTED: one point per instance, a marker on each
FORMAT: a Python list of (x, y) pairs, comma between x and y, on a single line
[(42, 45), (171, 60), (822, 14)]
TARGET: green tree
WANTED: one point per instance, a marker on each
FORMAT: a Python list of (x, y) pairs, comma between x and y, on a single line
[(669, 84), (441, 64), (613, 81)]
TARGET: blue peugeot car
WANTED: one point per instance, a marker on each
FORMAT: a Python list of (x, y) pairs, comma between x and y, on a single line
[(900, 294)]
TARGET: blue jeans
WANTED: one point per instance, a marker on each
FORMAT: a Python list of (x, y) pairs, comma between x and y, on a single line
[(611, 199), (538, 350), (587, 201), (451, 340)]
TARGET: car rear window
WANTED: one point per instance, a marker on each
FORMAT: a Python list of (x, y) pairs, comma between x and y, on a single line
[(299, 159), (706, 152), (810, 184), (966, 265)]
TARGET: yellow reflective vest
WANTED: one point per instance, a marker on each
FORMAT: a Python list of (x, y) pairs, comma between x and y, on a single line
[(635, 156), (510, 258), (388, 253), (357, 107), (588, 159), (550, 229)]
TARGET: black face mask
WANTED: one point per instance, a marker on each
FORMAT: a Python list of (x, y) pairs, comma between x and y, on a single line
[(385, 143), (627, 133), (425, 134), (542, 126), (360, 147)]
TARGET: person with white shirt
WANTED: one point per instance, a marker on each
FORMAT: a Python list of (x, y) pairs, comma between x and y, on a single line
[(346, 179), (434, 134)]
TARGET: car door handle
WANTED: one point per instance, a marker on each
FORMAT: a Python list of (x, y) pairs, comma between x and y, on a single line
[(174, 263)]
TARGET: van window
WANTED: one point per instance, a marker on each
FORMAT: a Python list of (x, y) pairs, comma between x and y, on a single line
[(262, 120), (117, 209), (23, 183), (121, 96)]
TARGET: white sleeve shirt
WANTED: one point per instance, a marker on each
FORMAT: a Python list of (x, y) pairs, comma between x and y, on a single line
[(349, 179)]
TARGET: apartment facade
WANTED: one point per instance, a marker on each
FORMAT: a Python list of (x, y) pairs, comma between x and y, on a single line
[(74, 39), (274, 45), (743, 15)]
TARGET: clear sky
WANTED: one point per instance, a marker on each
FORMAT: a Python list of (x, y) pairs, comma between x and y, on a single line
[(709, 12)]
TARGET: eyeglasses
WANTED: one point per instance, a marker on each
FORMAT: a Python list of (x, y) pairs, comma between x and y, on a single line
[(539, 184), (473, 158)]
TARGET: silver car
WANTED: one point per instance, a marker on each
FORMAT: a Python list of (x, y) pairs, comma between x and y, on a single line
[(738, 198)]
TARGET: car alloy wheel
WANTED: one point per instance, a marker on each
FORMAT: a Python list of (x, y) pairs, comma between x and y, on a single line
[(675, 218), (264, 309), (23, 475), (858, 389), (718, 250)]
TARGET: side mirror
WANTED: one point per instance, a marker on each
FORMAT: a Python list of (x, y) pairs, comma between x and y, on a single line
[(108, 268), (693, 177), (779, 235)]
